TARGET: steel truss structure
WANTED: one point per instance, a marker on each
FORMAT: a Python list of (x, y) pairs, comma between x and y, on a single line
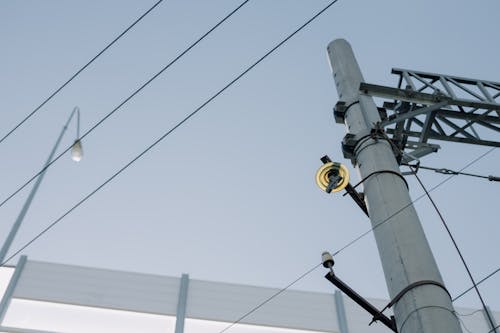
[(428, 106)]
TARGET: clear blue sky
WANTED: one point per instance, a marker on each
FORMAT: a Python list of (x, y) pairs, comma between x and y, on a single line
[(230, 196)]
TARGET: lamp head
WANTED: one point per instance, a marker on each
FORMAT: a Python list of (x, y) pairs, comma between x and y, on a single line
[(77, 151)]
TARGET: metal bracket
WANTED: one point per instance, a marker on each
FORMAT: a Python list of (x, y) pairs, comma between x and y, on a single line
[(350, 142), (333, 182), (404, 116), (419, 150), (341, 108), (377, 315), (431, 106), (358, 198)]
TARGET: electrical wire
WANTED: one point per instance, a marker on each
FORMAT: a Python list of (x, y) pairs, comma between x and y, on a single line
[(445, 171), (494, 329), (447, 228), (462, 322), (349, 244), (267, 300), (80, 70), (356, 239), (478, 283), (363, 235), (144, 85), (400, 329), (468, 314), (166, 134), (187, 118), (441, 217)]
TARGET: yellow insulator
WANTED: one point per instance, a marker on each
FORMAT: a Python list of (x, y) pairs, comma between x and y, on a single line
[(332, 169)]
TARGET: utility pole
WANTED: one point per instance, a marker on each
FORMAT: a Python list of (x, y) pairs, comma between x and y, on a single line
[(422, 303)]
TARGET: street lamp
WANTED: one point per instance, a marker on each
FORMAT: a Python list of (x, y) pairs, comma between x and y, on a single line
[(76, 149), (76, 155)]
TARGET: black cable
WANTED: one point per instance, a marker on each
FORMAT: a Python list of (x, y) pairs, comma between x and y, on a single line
[(411, 203), (462, 322), (126, 100), (468, 314), (457, 248), (79, 71), (478, 283), (422, 308), (445, 171), (445, 225), (173, 128), (267, 300), (352, 242), (494, 329), (183, 121)]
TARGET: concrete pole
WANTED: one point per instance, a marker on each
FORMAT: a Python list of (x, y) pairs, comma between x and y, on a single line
[(404, 251)]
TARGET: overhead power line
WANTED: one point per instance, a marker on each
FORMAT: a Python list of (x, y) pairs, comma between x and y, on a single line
[(118, 107), (309, 271), (260, 305), (79, 71), (267, 300), (447, 228), (170, 131), (445, 171), (187, 118), (356, 239), (477, 284), (457, 248)]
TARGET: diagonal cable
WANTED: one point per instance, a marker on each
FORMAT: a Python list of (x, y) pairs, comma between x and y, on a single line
[(144, 85), (270, 298), (445, 171), (445, 225), (179, 124), (348, 245), (45, 101), (477, 284), (356, 239)]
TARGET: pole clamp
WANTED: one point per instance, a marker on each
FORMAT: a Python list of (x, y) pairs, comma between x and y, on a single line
[(412, 286), (340, 110), (351, 143)]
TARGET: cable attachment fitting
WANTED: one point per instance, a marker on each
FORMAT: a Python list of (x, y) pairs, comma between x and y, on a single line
[(334, 177), (327, 260)]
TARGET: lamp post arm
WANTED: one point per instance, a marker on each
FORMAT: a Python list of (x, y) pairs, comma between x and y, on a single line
[(15, 228)]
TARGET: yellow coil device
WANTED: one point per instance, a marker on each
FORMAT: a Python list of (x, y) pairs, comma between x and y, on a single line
[(329, 169)]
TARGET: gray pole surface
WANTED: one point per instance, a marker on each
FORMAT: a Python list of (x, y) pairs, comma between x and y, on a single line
[(404, 251)]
